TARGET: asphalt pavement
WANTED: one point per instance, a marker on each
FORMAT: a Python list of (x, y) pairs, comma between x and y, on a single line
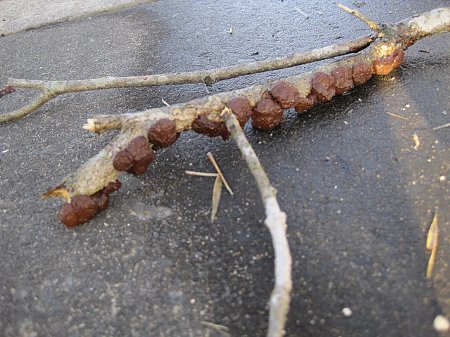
[(358, 191)]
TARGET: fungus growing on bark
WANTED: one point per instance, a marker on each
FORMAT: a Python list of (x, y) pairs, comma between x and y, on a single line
[(267, 114), (241, 108), (210, 128), (286, 94), (386, 64), (136, 158), (322, 86), (85, 207), (362, 72), (68, 216), (141, 166), (343, 79), (123, 160), (305, 103), (163, 133)]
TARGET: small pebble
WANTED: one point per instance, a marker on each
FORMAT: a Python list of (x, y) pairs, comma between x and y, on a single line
[(441, 324), (347, 312)]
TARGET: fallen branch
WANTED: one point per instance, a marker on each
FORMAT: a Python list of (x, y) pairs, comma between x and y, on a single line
[(275, 222), (51, 89)]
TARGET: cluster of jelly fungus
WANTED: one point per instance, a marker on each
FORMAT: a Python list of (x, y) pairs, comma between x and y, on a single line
[(305, 103), (210, 128), (386, 64), (343, 79), (163, 133), (286, 94), (361, 72), (136, 158), (267, 114), (323, 86), (241, 108), (82, 208)]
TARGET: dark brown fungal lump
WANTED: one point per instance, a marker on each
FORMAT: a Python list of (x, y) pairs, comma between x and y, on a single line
[(101, 199), (68, 216), (386, 64), (112, 187), (139, 148), (163, 133), (85, 207), (362, 72), (285, 93), (267, 114), (241, 108), (305, 103), (322, 86), (123, 160), (210, 128), (141, 166), (343, 79)]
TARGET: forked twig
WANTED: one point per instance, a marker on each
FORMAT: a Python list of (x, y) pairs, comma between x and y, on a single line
[(51, 89), (275, 222)]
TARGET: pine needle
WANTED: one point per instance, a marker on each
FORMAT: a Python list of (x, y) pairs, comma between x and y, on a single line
[(217, 190), (219, 172), (432, 244)]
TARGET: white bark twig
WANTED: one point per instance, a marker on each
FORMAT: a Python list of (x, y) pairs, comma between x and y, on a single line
[(372, 24), (275, 222), (55, 88)]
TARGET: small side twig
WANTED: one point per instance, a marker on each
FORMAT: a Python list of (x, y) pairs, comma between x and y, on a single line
[(43, 98), (275, 222), (372, 24)]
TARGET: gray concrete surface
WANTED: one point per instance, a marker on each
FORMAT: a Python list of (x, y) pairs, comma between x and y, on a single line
[(19, 15), (359, 197)]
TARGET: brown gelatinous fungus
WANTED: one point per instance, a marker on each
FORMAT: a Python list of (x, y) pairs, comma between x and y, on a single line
[(241, 108), (267, 114), (343, 79), (322, 86), (163, 133), (101, 199), (285, 93), (305, 103), (139, 148), (210, 128), (123, 160), (141, 166), (6, 90), (85, 207), (362, 72), (112, 187), (68, 216), (386, 64)]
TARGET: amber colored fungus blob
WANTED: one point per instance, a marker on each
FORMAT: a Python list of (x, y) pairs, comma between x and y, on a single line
[(85, 207), (242, 109), (343, 79), (305, 103), (68, 216), (322, 86), (267, 114), (386, 64), (123, 160), (362, 72), (101, 199), (210, 128), (163, 133), (286, 94)]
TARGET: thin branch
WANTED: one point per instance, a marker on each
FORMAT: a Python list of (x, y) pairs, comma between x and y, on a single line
[(43, 98), (372, 24), (207, 76), (275, 222)]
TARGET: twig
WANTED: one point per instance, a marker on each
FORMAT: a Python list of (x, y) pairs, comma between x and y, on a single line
[(43, 98), (219, 172), (275, 222), (396, 116), (55, 88), (372, 24)]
